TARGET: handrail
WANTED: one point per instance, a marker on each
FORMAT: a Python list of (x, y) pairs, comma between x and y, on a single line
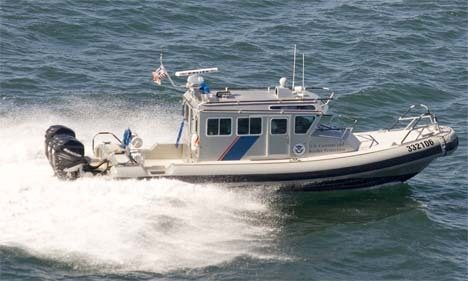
[(369, 137), (104, 133), (415, 120), (401, 117), (330, 98)]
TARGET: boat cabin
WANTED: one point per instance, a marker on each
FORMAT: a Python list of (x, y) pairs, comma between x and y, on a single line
[(258, 124)]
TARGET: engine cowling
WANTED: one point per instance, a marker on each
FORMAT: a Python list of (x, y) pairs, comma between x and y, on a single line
[(64, 151), (53, 131)]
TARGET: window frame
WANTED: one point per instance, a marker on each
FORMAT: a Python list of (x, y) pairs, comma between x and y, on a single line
[(261, 126), (249, 134), (186, 112), (230, 126), (279, 118), (308, 129), (219, 126), (237, 126)]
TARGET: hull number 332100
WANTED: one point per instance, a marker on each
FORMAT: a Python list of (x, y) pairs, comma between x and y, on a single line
[(420, 145)]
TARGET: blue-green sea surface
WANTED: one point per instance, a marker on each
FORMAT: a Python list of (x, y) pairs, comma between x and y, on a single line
[(87, 64)]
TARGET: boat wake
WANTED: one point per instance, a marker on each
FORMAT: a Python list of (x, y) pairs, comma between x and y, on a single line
[(94, 223)]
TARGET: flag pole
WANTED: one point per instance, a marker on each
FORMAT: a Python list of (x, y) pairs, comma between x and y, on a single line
[(166, 72)]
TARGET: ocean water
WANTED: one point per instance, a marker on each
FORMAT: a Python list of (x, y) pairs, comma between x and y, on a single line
[(87, 64)]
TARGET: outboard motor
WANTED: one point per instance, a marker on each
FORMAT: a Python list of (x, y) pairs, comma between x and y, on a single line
[(53, 131), (64, 151)]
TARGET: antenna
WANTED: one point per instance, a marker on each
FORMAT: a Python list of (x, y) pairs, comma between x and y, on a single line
[(294, 66), (303, 71), (195, 71)]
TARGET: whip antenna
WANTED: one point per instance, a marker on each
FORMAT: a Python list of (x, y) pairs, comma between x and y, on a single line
[(303, 72), (294, 66)]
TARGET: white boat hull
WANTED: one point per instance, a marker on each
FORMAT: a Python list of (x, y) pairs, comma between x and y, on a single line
[(339, 171)]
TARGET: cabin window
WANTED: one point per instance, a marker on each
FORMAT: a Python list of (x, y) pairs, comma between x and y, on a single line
[(225, 126), (279, 126), (213, 127), (249, 126), (255, 126), (218, 126), (302, 124), (243, 126)]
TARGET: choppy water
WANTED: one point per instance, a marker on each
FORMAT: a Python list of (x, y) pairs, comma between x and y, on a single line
[(87, 64)]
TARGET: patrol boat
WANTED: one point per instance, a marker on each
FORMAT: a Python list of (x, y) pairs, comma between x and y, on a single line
[(276, 135)]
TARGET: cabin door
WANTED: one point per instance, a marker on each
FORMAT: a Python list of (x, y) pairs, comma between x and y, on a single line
[(278, 136)]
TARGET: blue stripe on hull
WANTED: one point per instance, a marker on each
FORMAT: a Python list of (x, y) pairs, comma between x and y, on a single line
[(240, 148)]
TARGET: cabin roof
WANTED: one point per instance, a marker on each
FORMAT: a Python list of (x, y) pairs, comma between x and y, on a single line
[(258, 95), (275, 99)]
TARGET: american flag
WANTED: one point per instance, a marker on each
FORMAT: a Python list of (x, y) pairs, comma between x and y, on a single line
[(159, 74)]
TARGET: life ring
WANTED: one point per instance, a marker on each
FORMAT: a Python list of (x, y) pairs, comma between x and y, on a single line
[(195, 142)]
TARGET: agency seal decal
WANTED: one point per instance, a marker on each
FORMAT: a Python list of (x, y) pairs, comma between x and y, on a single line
[(299, 149)]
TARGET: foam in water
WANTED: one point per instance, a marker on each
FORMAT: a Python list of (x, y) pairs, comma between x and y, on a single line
[(156, 225)]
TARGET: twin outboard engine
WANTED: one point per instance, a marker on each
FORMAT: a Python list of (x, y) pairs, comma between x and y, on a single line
[(64, 151)]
